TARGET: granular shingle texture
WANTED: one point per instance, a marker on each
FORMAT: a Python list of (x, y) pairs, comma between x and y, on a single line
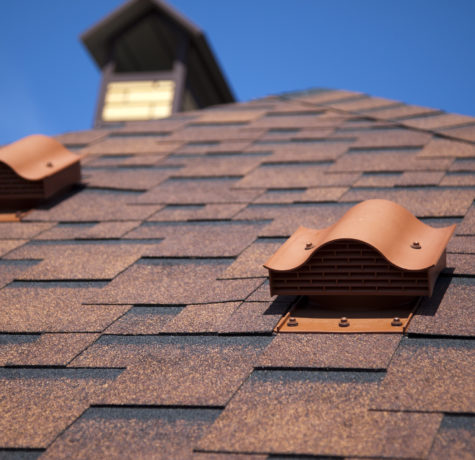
[(135, 315)]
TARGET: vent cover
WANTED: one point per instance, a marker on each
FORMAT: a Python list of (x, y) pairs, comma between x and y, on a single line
[(33, 169), (349, 267), (378, 254)]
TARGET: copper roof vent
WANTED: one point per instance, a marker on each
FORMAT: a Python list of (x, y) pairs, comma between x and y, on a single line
[(378, 257), (35, 168)]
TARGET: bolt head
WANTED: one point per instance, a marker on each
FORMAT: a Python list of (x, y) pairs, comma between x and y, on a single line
[(49, 164), (292, 322), (344, 322), (416, 245), (308, 245), (396, 321)]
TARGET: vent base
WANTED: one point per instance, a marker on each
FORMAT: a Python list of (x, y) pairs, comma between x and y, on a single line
[(312, 315)]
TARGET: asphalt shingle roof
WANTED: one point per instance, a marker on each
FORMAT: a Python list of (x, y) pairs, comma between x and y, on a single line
[(136, 320)]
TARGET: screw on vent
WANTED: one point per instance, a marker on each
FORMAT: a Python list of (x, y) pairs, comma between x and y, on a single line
[(344, 322)]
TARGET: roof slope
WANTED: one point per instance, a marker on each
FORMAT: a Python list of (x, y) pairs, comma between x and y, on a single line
[(136, 319)]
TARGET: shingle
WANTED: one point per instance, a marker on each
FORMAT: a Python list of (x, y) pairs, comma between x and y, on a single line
[(379, 138), (463, 165), (88, 231), (13, 269), (143, 320), (197, 239), (154, 126), (445, 148), (461, 264), (22, 230), (331, 351), (133, 144), (378, 179), (221, 147), (127, 179), (429, 375), (458, 179), (9, 245), (361, 105), (178, 282), (225, 116), (20, 454), (467, 226), (296, 135), (455, 439), (93, 206), (437, 121), (215, 165), (262, 294), (295, 175), (186, 371), (466, 133), (179, 213), (450, 311), (214, 456), (287, 218), (42, 350), (422, 202), (256, 317), (250, 262), (133, 433), (53, 310), (198, 191), (419, 178), (210, 133), (298, 120), (295, 152), (203, 319), (401, 112), (317, 413), (56, 397), (327, 97), (461, 245), (123, 160), (81, 137), (73, 261), (386, 161)]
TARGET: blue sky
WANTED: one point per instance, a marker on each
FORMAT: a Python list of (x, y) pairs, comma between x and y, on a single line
[(416, 51)]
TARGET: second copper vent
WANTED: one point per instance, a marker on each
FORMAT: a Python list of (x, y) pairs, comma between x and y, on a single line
[(34, 169), (378, 256)]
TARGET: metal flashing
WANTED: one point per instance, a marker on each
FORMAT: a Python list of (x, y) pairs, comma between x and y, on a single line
[(35, 168)]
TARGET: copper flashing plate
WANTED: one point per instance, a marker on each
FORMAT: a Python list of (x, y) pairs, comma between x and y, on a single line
[(35, 168), (377, 247), (306, 317)]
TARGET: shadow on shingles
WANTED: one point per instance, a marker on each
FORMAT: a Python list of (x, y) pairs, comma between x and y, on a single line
[(60, 197), (279, 306), (429, 306)]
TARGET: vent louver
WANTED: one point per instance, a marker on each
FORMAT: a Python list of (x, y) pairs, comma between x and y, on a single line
[(33, 169), (378, 254), (349, 267)]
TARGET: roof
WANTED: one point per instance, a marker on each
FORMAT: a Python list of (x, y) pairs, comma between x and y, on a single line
[(136, 319)]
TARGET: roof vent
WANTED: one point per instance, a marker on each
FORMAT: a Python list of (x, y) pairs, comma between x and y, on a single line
[(33, 169), (365, 273)]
